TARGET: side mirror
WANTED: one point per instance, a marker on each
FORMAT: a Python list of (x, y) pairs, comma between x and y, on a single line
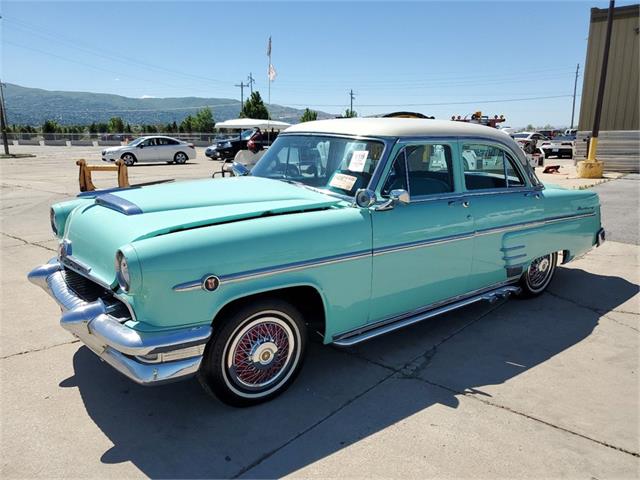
[(396, 197), (365, 198), (239, 170)]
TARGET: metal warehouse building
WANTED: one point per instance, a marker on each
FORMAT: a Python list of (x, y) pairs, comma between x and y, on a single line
[(619, 139)]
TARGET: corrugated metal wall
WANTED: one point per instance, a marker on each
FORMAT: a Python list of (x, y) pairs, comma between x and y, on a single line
[(621, 100), (619, 150)]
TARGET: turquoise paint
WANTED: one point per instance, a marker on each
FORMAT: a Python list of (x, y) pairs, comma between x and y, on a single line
[(230, 226)]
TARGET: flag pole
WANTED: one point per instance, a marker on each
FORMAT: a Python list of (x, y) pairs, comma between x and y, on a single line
[(269, 91)]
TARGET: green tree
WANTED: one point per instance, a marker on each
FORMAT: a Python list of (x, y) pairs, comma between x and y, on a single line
[(116, 125), (187, 124), (49, 129), (127, 128), (350, 113), (203, 121), (254, 107), (529, 127), (308, 115), (102, 127)]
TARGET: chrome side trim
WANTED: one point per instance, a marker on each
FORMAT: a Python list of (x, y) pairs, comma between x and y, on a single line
[(515, 247), (422, 243), (118, 204), (514, 257), (291, 267), (374, 330)]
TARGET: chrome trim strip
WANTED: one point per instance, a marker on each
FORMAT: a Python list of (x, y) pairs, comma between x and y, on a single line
[(118, 204), (373, 330), (508, 249), (514, 257), (421, 243), (188, 286), (292, 267)]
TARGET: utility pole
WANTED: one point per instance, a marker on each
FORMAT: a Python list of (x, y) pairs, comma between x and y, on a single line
[(351, 96), (3, 121), (575, 86), (591, 167), (251, 81), (241, 85)]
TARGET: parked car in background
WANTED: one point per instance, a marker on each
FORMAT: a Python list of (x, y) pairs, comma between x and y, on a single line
[(151, 149), (550, 133), (560, 146), (228, 148), (347, 228), (571, 131)]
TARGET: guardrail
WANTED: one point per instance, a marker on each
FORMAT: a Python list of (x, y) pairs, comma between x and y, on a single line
[(98, 139)]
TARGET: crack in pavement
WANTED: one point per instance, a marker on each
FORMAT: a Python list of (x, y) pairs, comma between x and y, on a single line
[(269, 454), (26, 242), (602, 313), (473, 395), (41, 349), (392, 372)]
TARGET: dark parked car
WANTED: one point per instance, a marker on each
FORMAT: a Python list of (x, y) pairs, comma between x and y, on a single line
[(227, 149)]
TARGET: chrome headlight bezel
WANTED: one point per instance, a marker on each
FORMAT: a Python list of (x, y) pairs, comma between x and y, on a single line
[(122, 271)]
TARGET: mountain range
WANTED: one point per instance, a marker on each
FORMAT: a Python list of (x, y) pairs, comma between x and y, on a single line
[(32, 106)]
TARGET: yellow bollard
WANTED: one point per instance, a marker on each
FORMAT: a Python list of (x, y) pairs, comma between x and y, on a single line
[(591, 167)]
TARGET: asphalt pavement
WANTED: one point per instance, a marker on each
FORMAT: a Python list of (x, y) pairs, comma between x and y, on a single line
[(542, 388)]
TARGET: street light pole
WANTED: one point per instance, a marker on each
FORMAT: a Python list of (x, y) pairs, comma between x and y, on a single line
[(575, 86)]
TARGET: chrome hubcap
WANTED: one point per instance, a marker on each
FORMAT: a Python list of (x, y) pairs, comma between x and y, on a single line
[(539, 271), (261, 354)]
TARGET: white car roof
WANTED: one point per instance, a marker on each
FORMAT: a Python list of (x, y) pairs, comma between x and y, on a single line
[(397, 127)]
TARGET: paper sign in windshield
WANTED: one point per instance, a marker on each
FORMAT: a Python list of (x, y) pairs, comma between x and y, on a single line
[(358, 160), (342, 181)]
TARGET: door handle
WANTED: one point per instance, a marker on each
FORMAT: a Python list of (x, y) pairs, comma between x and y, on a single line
[(463, 203), (535, 195)]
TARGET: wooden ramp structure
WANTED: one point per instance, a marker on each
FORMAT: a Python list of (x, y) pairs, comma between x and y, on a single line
[(84, 176)]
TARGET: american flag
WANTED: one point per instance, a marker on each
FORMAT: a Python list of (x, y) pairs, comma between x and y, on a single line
[(269, 47)]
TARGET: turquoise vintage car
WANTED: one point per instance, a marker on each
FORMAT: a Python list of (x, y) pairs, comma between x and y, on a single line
[(350, 228)]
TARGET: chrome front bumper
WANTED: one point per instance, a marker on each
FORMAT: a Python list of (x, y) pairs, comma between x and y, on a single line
[(169, 355)]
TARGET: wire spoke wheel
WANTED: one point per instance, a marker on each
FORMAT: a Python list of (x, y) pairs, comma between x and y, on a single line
[(539, 274), (261, 354)]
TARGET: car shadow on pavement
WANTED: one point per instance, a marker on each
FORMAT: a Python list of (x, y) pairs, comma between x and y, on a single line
[(177, 431)]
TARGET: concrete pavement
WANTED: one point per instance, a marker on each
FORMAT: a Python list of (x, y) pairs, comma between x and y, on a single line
[(538, 388)]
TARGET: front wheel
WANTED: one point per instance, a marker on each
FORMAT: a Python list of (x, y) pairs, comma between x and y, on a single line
[(180, 158), (128, 159), (538, 276), (256, 353)]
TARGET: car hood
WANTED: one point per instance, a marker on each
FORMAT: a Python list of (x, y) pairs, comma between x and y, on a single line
[(114, 149), (97, 229)]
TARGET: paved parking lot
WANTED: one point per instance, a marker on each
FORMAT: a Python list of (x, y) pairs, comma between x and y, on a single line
[(539, 388)]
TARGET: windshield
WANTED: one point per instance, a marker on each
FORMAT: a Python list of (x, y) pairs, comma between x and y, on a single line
[(341, 165), (135, 142), (246, 134)]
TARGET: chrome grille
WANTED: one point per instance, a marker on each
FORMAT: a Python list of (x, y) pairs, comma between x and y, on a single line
[(89, 291)]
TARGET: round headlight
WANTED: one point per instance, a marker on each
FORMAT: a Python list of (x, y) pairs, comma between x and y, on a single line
[(52, 219), (226, 145), (122, 271)]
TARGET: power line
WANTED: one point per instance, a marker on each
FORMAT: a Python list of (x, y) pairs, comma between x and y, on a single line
[(471, 102)]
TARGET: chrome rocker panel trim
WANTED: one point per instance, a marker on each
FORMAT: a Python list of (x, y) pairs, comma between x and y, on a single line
[(119, 345), (367, 332)]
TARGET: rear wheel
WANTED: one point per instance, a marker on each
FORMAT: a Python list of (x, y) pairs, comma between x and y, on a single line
[(539, 274), (128, 159), (180, 158), (255, 354)]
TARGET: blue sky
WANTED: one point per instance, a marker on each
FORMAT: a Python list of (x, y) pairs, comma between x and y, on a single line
[(438, 58)]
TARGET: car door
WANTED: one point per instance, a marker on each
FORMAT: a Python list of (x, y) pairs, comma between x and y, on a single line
[(421, 250), (501, 200), (147, 152)]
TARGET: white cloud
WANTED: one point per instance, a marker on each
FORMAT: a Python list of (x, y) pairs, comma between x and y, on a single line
[(116, 79)]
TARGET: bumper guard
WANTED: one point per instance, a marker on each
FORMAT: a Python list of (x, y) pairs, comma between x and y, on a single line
[(170, 355)]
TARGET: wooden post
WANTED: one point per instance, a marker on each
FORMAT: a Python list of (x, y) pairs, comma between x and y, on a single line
[(84, 178), (123, 174)]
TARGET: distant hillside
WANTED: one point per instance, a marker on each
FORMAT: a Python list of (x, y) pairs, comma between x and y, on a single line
[(32, 106)]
